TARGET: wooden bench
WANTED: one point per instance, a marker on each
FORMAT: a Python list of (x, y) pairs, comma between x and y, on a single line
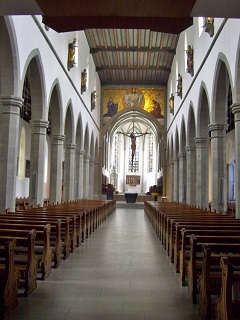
[(64, 231), (186, 245), (183, 230), (228, 304), (210, 280), (9, 279), (25, 260), (195, 263)]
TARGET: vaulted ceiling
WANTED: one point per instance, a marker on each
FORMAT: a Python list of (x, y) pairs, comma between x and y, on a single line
[(132, 41)]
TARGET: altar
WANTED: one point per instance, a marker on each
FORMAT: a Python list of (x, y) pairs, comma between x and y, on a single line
[(131, 197)]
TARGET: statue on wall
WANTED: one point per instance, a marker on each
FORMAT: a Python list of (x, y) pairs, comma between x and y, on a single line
[(84, 81), (179, 86), (171, 103), (209, 26), (93, 100), (189, 53), (71, 54)]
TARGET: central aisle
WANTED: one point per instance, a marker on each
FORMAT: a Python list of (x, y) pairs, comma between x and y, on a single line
[(120, 272)]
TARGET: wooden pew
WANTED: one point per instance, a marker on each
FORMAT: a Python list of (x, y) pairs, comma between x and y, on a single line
[(195, 263), (183, 230), (186, 245), (25, 260), (42, 247), (64, 232), (228, 304), (211, 278), (9, 279)]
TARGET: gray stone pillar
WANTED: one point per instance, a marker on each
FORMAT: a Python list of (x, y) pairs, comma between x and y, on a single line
[(171, 180), (219, 168), (69, 172), (176, 179), (56, 168), (191, 174), (236, 111), (91, 178), (182, 177), (79, 174), (202, 172), (37, 161), (9, 150), (86, 176), (96, 190)]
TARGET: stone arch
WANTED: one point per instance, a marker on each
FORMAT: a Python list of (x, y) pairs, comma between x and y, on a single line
[(222, 75), (79, 133), (9, 59), (34, 68), (56, 108), (203, 113), (69, 124), (183, 137), (191, 127)]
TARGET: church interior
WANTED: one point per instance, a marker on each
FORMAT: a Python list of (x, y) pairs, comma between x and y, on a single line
[(119, 117)]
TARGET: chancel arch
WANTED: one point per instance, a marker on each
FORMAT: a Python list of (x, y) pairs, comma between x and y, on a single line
[(134, 136)]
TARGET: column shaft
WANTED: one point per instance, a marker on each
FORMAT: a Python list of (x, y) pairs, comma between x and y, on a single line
[(9, 150), (182, 177), (69, 172), (191, 175)]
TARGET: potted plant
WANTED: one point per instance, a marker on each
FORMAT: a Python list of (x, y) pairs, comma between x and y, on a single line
[(155, 195)]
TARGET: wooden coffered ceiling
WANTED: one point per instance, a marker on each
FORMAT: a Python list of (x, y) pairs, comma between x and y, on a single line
[(131, 41)]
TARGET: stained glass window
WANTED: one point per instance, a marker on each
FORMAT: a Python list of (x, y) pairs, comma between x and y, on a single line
[(150, 153)]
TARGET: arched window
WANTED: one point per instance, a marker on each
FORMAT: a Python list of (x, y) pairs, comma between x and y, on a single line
[(21, 161)]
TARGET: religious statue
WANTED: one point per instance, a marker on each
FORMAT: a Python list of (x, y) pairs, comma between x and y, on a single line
[(71, 54), (171, 103), (133, 98), (189, 53), (133, 136), (179, 86), (93, 100), (84, 81), (209, 26)]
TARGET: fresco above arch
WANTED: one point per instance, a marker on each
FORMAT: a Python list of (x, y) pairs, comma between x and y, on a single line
[(150, 99)]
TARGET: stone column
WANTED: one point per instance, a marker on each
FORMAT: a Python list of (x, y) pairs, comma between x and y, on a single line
[(171, 180), (191, 174), (219, 168), (86, 176), (79, 173), (182, 177), (37, 162), (176, 179), (91, 178), (202, 171), (69, 172), (97, 173), (236, 111), (9, 150), (56, 168)]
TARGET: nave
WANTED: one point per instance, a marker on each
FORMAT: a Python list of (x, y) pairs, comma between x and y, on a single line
[(120, 272)]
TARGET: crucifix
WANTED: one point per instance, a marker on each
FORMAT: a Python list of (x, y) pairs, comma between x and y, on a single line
[(133, 136)]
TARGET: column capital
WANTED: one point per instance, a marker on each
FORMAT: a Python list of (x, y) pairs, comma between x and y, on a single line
[(175, 159), (39, 123), (71, 146), (58, 137), (201, 141), (11, 104), (217, 126), (235, 108), (182, 155), (190, 148)]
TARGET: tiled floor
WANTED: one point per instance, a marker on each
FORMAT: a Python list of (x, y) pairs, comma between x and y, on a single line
[(121, 272)]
